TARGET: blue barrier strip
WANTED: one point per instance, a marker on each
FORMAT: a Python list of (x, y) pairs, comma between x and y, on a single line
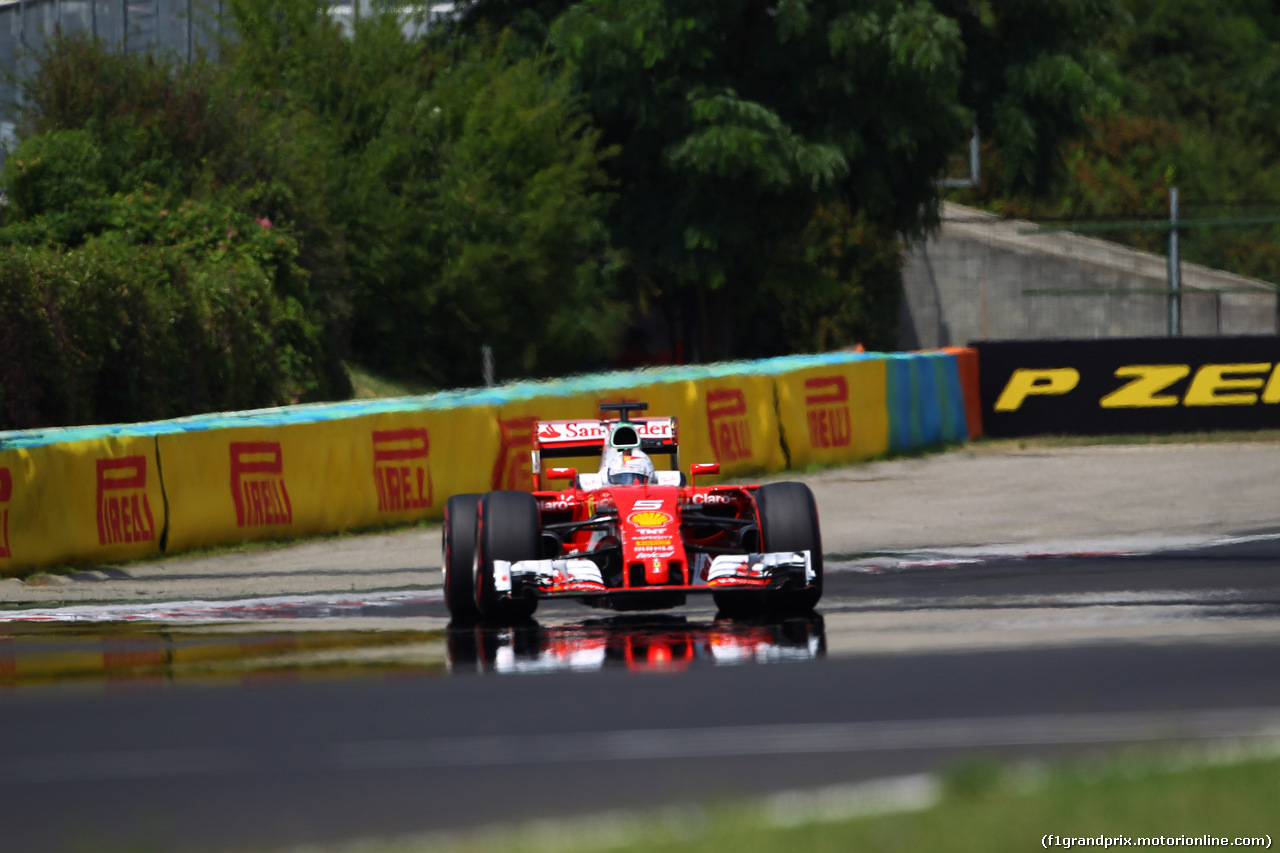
[(898, 392), (953, 402), (924, 399), (927, 405)]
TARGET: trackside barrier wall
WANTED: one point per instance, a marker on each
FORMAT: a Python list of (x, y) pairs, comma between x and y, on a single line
[(110, 493), (834, 413), (924, 400), (967, 365), (93, 500)]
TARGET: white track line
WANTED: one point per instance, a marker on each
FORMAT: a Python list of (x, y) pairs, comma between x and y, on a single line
[(272, 607)]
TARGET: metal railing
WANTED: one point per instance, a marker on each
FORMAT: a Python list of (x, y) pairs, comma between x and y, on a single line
[(175, 27)]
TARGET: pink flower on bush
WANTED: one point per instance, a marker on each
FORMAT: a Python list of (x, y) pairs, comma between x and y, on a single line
[(264, 222)]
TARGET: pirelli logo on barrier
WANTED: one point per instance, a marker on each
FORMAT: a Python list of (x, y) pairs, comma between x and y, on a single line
[(257, 484), (6, 494), (400, 470), (727, 420), (827, 411), (513, 468), (124, 513), (1130, 385)]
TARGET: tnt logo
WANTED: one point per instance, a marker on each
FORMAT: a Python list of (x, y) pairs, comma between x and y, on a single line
[(727, 417), (6, 492), (827, 399), (400, 469), (124, 513), (513, 468), (257, 484)]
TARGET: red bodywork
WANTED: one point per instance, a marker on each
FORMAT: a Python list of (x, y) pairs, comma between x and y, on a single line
[(644, 537), (650, 529)]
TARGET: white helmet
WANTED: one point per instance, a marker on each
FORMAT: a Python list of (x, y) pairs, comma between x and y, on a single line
[(628, 468)]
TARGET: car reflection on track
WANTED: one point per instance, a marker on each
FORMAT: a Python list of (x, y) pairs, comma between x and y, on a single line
[(649, 642)]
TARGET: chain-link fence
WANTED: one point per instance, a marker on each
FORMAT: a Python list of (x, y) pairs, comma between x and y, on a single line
[(179, 28)]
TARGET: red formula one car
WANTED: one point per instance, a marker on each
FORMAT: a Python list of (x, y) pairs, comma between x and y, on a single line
[(629, 537)]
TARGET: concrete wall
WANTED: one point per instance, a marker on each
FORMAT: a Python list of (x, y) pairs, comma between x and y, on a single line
[(982, 278)]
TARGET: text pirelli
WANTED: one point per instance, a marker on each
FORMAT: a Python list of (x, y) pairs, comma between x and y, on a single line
[(1146, 386)]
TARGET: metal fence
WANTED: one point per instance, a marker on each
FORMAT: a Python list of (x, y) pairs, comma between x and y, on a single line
[(179, 28), (984, 278)]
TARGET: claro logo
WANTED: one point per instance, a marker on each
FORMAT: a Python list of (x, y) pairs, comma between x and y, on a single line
[(1147, 385), (257, 484), (727, 418), (124, 513), (6, 492), (400, 470)]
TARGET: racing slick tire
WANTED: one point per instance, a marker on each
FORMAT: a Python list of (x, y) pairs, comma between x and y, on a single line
[(788, 518), (509, 528), (458, 546)]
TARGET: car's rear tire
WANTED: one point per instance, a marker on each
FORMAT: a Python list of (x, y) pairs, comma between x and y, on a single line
[(509, 529), (458, 546)]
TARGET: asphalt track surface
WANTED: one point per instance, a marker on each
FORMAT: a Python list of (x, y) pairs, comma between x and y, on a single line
[(906, 670)]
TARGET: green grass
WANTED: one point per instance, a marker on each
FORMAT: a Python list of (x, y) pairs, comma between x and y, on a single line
[(366, 385), (977, 807)]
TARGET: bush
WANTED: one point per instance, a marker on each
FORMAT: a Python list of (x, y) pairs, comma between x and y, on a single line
[(112, 333)]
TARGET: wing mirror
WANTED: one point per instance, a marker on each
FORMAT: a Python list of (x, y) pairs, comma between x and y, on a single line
[(570, 474), (702, 469)]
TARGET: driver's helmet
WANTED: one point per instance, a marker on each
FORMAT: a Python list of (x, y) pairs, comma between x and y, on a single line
[(629, 468)]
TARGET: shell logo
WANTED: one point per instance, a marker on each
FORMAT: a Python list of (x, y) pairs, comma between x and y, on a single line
[(649, 518)]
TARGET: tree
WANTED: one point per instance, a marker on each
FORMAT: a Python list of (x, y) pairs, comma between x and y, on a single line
[(1197, 103), (739, 120)]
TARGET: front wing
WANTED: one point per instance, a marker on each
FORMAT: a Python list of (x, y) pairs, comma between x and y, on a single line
[(575, 576)]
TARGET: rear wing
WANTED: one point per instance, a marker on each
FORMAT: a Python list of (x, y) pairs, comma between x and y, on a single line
[(561, 439)]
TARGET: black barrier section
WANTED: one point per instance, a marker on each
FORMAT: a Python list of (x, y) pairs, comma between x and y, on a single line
[(1126, 385)]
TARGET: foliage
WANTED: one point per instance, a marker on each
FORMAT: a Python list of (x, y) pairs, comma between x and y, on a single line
[(470, 192), (111, 333), (850, 272), (1199, 100), (738, 121), (130, 167), (527, 178)]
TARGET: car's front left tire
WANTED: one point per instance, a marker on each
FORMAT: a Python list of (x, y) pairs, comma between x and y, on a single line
[(458, 546), (509, 528)]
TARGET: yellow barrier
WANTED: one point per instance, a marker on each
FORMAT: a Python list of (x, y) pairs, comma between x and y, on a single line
[(82, 501), (232, 485), (326, 477), (409, 463), (512, 465), (102, 500), (834, 413)]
